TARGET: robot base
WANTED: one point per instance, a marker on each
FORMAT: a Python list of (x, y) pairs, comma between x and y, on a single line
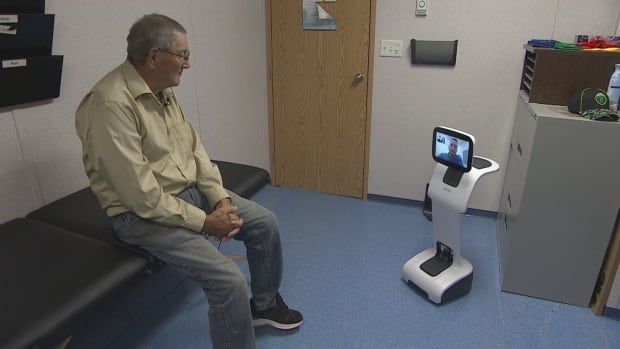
[(453, 282)]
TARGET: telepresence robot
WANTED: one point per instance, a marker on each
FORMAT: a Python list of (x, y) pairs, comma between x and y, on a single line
[(440, 272)]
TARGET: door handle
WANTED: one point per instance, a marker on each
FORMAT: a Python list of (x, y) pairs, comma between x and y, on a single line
[(358, 77)]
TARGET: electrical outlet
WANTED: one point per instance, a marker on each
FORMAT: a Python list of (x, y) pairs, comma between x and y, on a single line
[(421, 8), (391, 48)]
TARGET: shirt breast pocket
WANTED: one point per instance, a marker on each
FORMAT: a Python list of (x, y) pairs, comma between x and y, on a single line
[(181, 134)]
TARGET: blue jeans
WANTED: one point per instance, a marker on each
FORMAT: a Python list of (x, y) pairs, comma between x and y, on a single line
[(223, 282)]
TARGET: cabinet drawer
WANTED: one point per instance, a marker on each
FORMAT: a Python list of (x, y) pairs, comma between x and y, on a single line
[(513, 191), (503, 242), (523, 137), (509, 207), (513, 200)]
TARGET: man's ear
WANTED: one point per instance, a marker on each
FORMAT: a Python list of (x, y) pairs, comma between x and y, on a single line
[(152, 57)]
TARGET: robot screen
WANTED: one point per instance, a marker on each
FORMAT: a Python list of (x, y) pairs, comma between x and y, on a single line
[(453, 148)]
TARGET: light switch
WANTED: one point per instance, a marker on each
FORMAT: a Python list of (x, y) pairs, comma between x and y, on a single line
[(391, 48)]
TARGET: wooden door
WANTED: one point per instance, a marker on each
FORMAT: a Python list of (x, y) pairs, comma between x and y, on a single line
[(320, 97)]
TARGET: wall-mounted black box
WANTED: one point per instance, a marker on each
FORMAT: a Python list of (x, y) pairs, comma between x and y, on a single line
[(31, 36), (29, 79), (433, 52), (22, 6)]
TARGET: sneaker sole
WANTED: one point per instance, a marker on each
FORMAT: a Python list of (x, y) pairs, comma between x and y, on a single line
[(267, 322)]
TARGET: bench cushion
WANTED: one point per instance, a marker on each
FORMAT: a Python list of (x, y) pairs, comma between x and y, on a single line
[(80, 211), (51, 275), (244, 180)]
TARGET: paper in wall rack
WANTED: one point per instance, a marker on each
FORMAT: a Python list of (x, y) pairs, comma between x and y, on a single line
[(22, 6), (433, 52)]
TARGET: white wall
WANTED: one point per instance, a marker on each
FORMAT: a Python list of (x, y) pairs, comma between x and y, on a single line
[(231, 73), (224, 92), (477, 96)]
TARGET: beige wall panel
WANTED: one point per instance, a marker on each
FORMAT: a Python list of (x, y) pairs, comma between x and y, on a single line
[(16, 193), (229, 61)]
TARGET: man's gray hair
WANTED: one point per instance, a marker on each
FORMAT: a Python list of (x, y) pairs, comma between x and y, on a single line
[(151, 31)]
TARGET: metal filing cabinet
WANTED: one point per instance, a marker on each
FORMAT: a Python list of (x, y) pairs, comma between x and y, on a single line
[(559, 203)]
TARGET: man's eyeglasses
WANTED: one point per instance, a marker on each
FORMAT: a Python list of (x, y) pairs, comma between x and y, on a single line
[(184, 55)]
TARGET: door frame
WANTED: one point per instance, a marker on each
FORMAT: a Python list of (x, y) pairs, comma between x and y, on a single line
[(371, 53)]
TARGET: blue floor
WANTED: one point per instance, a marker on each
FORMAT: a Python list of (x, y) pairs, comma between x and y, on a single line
[(343, 259)]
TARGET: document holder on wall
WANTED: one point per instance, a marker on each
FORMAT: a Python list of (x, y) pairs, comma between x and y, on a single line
[(28, 70), (29, 79), (22, 6), (28, 35), (433, 52)]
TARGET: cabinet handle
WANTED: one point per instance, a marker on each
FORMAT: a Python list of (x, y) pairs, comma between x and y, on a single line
[(509, 202), (519, 149)]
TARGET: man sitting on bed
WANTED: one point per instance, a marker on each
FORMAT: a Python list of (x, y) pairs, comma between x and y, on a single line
[(150, 172)]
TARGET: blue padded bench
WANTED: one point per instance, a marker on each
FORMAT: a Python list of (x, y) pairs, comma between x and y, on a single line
[(63, 257)]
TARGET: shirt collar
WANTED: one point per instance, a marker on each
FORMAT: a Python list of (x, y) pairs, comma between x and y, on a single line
[(135, 83)]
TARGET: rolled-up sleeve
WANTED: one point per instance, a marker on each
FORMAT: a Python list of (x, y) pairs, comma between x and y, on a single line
[(116, 153)]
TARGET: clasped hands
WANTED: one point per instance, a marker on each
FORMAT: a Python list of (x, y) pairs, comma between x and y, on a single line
[(224, 222)]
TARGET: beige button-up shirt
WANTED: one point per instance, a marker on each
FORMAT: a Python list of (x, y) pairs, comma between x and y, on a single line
[(139, 151)]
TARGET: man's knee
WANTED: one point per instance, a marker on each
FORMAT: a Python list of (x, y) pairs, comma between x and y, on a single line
[(270, 220), (265, 227), (234, 281), (228, 290)]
